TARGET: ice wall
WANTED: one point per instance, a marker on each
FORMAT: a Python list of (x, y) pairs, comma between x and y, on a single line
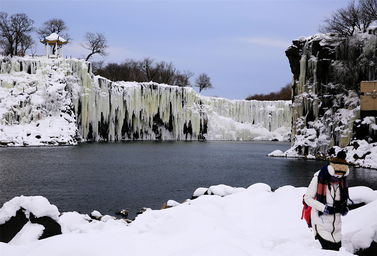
[(62, 102)]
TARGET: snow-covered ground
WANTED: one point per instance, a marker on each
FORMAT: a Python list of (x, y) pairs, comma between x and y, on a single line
[(252, 221)]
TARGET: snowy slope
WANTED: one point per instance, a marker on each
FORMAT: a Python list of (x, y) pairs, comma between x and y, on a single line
[(252, 221), (59, 101)]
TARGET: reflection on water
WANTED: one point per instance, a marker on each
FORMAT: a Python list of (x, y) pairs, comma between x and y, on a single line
[(113, 176)]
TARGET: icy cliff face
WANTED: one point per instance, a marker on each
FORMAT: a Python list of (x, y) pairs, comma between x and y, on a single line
[(327, 71), (59, 101), (35, 103)]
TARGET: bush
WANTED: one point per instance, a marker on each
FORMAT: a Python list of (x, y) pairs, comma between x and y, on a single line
[(145, 70), (285, 93)]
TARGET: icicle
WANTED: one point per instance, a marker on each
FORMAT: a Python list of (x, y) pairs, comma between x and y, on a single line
[(113, 111)]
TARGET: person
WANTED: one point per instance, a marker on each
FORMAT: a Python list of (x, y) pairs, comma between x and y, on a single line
[(327, 194)]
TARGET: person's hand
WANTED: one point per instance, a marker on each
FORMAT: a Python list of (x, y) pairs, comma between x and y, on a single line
[(329, 210)]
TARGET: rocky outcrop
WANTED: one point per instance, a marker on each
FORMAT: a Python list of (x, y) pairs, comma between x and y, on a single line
[(327, 70), (24, 218)]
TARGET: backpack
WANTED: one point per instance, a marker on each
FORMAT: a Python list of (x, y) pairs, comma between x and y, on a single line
[(306, 213)]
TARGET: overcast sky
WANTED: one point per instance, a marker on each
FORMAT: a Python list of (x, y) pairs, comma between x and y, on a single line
[(240, 44)]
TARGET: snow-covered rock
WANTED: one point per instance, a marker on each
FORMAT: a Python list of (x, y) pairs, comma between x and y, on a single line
[(217, 190), (25, 219), (59, 101), (327, 70), (37, 205), (277, 153), (254, 221)]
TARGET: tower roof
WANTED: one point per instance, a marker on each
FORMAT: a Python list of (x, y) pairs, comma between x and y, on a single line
[(54, 38)]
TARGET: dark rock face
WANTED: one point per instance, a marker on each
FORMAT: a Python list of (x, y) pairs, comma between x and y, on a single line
[(371, 251), (52, 228), (327, 71), (9, 229)]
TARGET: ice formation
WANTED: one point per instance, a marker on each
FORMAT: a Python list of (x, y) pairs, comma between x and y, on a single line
[(59, 101)]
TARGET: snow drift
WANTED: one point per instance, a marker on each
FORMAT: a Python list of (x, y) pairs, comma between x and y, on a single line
[(231, 221), (59, 101)]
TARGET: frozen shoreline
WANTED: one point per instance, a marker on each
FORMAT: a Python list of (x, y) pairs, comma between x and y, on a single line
[(360, 154), (234, 221)]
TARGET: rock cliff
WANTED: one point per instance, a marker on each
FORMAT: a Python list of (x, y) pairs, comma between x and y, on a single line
[(327, 71)]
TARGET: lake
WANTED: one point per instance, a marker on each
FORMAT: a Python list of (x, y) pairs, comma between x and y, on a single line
[(112, 176)]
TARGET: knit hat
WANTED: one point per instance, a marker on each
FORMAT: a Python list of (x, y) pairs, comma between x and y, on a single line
[(338, 165), (340, 158)]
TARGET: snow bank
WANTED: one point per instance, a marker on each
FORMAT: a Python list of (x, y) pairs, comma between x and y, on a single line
[(37, 205), (218, 190), (29, 233), (253, 221)]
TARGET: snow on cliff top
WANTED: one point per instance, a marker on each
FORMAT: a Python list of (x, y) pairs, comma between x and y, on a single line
[(252, 221)]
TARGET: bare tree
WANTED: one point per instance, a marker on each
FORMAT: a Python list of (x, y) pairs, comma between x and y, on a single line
[(14, 33), (26, 43), (369, 9), (96, 43), (148, 69), (145, 70), (345, 20), (203, 82), (53, 26), (354, 17), (183, 79), (7, 35)]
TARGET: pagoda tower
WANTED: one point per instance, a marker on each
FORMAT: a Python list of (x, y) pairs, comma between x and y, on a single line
[(54, 45)]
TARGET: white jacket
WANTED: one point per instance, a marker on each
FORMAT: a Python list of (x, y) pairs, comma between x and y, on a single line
[(328, 226)]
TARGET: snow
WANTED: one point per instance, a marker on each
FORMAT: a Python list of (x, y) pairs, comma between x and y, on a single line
[(55, 37), (37, 205), (253, 221), (199, 192), (369, 150), (365, 153), (29, 233), (171, 203), (360, 233), (59, 101), (361, 194), (96, 214), (223, 190), (35, 106), (277, 153)]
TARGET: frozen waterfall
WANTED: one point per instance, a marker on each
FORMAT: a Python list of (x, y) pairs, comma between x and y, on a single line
[(59, 101)]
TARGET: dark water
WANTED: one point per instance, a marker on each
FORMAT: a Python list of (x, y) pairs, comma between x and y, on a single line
[(114, 176)]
